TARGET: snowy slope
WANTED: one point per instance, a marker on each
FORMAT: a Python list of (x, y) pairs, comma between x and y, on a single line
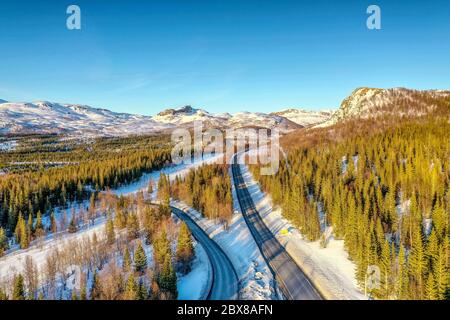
[(303, 117), (187, 115), (372, 102), (48, 117), (72, 119)]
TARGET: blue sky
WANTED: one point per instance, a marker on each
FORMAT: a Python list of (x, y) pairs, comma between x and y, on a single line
[(225, 56)]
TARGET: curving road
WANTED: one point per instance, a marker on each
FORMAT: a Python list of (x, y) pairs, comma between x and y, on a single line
[(292, 281), (224, 284)]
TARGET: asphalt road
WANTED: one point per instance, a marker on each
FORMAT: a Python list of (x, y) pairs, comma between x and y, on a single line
[(225, 281), (292, 281)]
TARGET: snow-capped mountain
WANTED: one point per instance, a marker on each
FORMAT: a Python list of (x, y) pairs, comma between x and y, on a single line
[(373, 102), (188, 114), (74, 119), (48, 117), (303, 117)]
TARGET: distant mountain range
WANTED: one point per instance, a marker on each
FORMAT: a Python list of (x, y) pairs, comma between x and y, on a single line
[(50, 117), (71, 119)]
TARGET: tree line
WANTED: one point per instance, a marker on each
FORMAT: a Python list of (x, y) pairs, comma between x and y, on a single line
[(27, 195), (208, 190)]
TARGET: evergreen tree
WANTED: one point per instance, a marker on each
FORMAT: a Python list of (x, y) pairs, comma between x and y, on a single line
[(3, 295), (83, 294), (167, 278), (185, 249), (430, 289), (96, 290), (126, 260), (131, 289), (18, 289), (53, 227), (142, 293), (140, 258), (132, 227), (110, 233), (150, 187), (72, 225), (74, 295), (3, 241)]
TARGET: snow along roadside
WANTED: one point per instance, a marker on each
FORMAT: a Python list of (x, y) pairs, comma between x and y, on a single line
[(255, 279), (328, 268), (195, 284)]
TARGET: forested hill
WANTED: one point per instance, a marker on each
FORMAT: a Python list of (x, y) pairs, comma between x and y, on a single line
[(46, 172), (383, 186)]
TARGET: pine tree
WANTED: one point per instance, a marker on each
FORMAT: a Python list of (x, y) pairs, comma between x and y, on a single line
[(30, 229), (132, 227), (110, 234), (430, 289), (418, 262), (39, 220), (74, 295), (402, 274), (126, 260), (53, 227), (131, 289), (39, 228), (72, 225), (140, 258), (22, 233), (83, 294), (385, 260), (3, 241), (18, 289), (96, 290), (441, 273), (150, 187), (168, 278), (142, 293), (3, 295), (185, 249)]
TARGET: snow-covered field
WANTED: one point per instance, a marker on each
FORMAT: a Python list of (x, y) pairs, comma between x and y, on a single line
[(172, 171), (329, 268), (8, 145), (13, 263)]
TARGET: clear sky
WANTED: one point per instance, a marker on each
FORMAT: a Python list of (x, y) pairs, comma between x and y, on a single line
[(225, 56)]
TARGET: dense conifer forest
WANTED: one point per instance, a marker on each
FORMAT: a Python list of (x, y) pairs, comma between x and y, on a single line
[(208, 190), (384, 190), (46, 172)]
